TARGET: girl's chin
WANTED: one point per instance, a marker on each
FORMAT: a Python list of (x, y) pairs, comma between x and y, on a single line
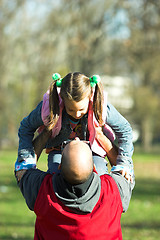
[(74, 119)]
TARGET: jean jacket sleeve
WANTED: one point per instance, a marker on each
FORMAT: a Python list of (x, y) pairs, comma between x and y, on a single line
[(123, 132), (27, 128)]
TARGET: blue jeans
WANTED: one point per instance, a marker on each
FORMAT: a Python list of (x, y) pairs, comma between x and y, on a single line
[(54, 159)]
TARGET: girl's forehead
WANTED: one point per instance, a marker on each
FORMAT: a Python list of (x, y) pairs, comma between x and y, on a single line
[(73, 104)]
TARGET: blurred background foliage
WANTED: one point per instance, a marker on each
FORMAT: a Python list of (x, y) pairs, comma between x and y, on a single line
[(112, 38)]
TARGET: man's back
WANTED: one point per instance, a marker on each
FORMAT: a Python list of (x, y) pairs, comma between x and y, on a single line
[(57, 221), (76, 203)]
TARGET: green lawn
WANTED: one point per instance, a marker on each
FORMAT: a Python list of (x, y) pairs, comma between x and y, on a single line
[(141, 222)]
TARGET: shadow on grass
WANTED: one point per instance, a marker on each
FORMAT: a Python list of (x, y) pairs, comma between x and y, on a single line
[(9, 237), (19, 224), (144, 225), (146, 189)]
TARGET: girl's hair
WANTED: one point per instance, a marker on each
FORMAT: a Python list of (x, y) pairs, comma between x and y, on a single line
[(75, 86)]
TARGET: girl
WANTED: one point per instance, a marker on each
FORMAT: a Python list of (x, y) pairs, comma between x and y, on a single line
[(77, 106)]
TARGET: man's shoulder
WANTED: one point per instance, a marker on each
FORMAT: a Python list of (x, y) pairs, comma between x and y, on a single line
[(107, 178), (108, 183), (109, 191)]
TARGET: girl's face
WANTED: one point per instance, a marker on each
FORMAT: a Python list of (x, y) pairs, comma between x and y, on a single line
[(76, 110)]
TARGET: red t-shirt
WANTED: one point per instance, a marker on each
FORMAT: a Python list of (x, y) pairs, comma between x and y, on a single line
[(56, 221)]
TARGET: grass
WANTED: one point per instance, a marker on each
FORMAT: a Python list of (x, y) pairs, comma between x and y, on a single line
[(140, 222)]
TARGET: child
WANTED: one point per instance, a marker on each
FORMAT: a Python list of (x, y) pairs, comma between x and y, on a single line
[(77, 106)]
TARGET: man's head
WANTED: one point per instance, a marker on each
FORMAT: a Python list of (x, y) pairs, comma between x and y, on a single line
[(77, 162)]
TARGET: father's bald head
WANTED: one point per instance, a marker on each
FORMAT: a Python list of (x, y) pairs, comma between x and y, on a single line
[(77, 162)]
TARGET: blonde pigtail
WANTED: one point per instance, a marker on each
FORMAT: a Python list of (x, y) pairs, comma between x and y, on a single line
[(98, 101), (53, 106)]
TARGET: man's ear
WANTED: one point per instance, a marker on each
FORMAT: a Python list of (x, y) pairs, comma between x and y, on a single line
[(59, 166)]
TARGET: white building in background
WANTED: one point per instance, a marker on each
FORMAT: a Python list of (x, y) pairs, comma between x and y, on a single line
[(119, 91), (119, 95)]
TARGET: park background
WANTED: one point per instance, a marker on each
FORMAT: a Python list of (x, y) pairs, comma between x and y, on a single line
[(117, 39)]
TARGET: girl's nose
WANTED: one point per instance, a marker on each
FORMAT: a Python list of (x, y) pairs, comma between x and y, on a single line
[(78, 114)]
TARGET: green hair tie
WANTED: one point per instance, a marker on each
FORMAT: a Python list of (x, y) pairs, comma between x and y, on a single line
[(57, 77), (94, 80)]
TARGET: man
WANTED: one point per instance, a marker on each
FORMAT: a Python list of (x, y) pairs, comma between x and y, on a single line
[(76, 203)]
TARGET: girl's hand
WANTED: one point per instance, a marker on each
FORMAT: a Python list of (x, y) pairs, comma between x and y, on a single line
[(127, 176), (124, 171)]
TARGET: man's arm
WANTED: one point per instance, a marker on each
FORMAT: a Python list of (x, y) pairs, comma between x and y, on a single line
[(108, 146), (124, 166), (125, 188), (29, 182), (122, 173), (40, 141)]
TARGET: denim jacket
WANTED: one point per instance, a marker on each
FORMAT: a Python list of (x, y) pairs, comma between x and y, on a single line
[(114, 119)]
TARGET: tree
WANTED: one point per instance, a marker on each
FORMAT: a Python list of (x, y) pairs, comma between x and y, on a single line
[(8, 12), (141, 51), (83, 27)]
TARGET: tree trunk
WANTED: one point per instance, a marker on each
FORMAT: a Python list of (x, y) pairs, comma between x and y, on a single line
[(147, 135)]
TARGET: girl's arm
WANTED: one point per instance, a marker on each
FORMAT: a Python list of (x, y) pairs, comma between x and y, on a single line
[(108, 146), (122, 130), (112, 153), (28, 126)]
